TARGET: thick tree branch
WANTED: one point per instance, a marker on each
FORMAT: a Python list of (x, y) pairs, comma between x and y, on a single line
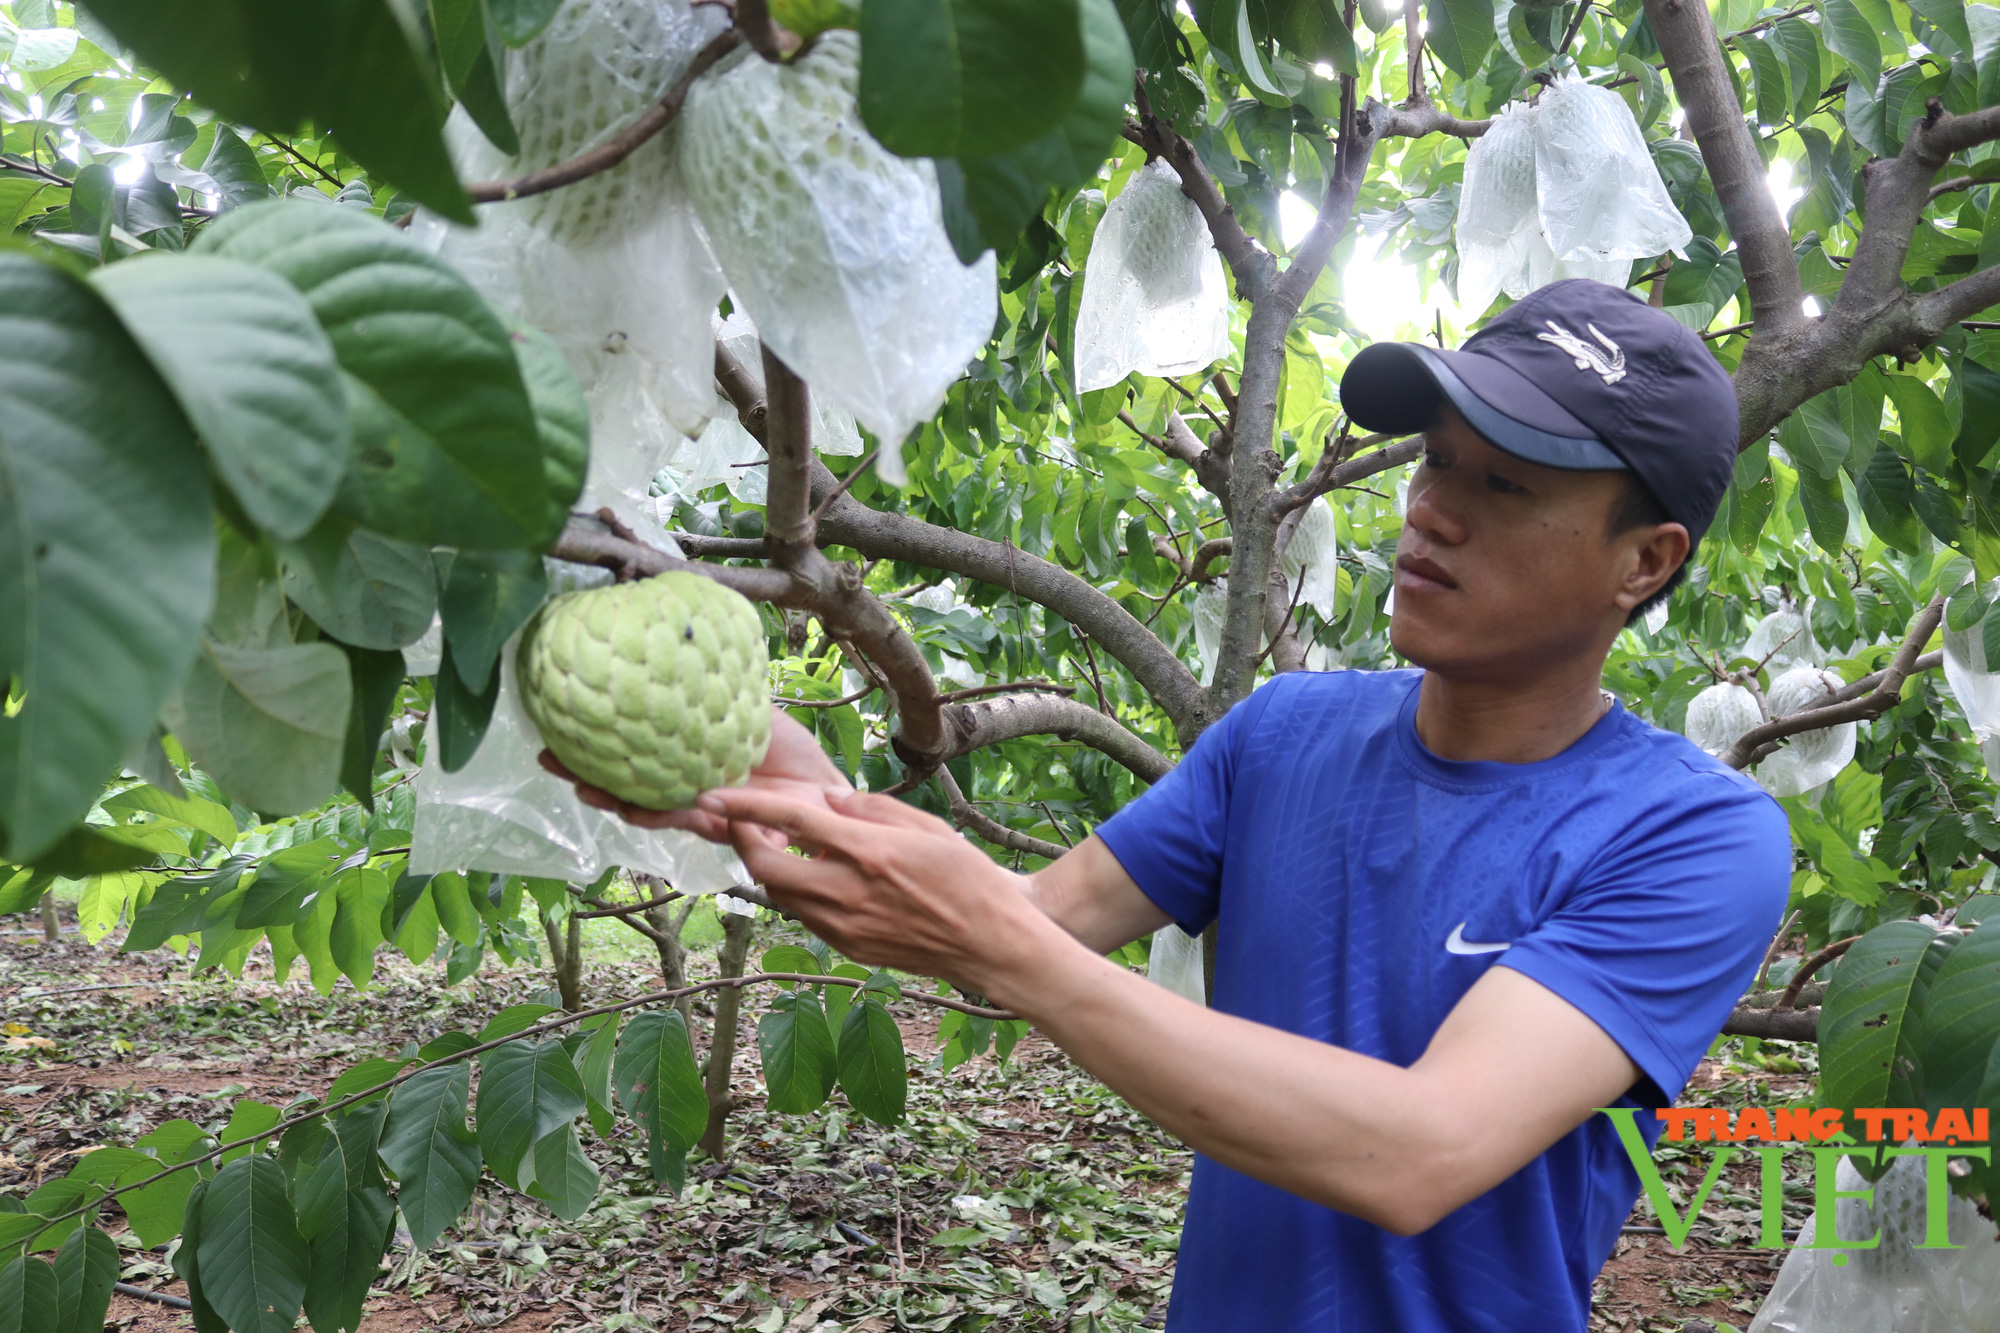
[(1702, 86), (1011, 716), (1414, 119), (1761, 740), (885, 536), (1898, 190), (968, 816), (1773, 1024), (620, 146)]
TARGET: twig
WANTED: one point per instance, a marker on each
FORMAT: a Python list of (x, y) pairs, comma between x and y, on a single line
[(1258, 660), (168, 1299), (1771, 954), (861, 693), (336, 181), (1054, 823), (1713, 334), (1007, 687), (1810, 966), (621, 146), (853, 475), (1090, 655), (626, 909), (990, 829), (1575, 26)]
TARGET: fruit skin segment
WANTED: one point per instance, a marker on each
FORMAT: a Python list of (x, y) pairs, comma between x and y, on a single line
[(654, 690)]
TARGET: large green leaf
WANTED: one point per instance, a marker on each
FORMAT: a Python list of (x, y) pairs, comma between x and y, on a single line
[(85, 1268), (268, 724), (252, 1259), (254, 372), (180, 904), (157, 1211), (107, 549), (460, 715), (446, 446), (29, 1296), (564, 1177), (562, 415), (354, 67), (1851, 37), (1955, 1035), (1862, 1017), (1927, 432), (989, 199), (872, 1069), (660, 1087), (361, 587), (797, 1051), (346, 1215), (487, 596), (212, 819), (1461, 32), (527, 1090), (472, 60), (287, 881), (377, 678), (943, 78), (435, 1157)]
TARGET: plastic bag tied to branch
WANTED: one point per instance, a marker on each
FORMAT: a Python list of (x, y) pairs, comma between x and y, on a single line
[(1811, 758), (1154, 298), (833, 245)]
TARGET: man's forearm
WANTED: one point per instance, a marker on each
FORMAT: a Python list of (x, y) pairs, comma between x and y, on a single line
[(1339, 1128)]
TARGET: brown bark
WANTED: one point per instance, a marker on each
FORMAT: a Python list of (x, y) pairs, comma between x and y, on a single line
[(736, 935)]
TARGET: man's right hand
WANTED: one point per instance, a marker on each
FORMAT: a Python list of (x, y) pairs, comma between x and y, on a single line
[(794, 766)]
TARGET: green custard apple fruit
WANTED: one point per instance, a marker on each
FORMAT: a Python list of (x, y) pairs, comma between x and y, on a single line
[(653, 690)]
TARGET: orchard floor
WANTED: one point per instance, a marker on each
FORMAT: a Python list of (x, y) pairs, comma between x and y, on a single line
[(1016, 1196)]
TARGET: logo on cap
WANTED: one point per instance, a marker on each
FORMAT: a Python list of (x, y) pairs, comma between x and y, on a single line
[(1586, 356)]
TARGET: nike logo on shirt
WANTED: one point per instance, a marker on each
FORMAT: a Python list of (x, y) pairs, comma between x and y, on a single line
[(1457, 943)]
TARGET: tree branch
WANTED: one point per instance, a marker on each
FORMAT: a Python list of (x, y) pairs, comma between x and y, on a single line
[(1012, 716), (1414, 119), (992, 830), (1703, 88), (620, 146), (1773, 1024), (1761, 740)]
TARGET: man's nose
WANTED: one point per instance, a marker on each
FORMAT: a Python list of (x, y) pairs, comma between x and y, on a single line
[(1434, 512)]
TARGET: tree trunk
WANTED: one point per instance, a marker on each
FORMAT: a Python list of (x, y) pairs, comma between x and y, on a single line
[(566, 956), (51, 927), (673, 954), (736, 933)]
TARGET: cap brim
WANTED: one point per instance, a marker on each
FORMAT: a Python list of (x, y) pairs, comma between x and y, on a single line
[(1395, 387)]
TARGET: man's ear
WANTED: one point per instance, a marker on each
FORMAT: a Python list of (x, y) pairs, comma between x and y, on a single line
[(1648, 555)]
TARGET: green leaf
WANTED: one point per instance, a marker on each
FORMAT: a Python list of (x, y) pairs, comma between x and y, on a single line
[(210, 818), (157, 1211), (232, 164), (593, 1066), (248, 1118), (1461, 32), (527, 1090), (797, 1051), (1888, 500), (375, 679), (446, 445), (268, 724), (107, 550), (91, 850), (253, 1261), (353, 67), (1814, 436), (1927, 433), (941, 78), (515, 1018), (562, 416), (872, 1071), (85, 1268), (487, 596), (346, 1215), (788, 958), (1826, 509), (360, 587), (1767, 66), (660, 1087), (564, 1177), (254, 372), (472, 68), (288, 880), (206, 1320), (1948, 16), (994, 197), (521, 21), (30, 1297), (1955, 1034), (1979, 428), (1852, 38), (459, 715), (1862, 1017), (435, 1157)]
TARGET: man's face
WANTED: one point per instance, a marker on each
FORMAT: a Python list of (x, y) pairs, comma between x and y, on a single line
[(1504, 568)]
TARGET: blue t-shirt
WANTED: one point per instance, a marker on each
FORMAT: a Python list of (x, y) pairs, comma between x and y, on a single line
[(1632, 874)]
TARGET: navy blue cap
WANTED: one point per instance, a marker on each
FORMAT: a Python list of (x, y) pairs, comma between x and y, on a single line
[(1579, 375)]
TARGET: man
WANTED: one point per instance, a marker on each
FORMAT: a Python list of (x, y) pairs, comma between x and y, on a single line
[(1460, 906)]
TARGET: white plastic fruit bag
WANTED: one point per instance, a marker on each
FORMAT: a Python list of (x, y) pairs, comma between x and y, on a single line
[(832, 244), (1175, 962), (1312, 560), (1809, 759), (1496, 210), (1898, 1286), (613, 267), (1785, 637), (505, 813), (1972, 680), (1209, 608), (1719, 714), (1598, 192), (1154, 299)]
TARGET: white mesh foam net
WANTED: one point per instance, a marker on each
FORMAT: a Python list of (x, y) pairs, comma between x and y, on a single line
[(1812, 758)]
